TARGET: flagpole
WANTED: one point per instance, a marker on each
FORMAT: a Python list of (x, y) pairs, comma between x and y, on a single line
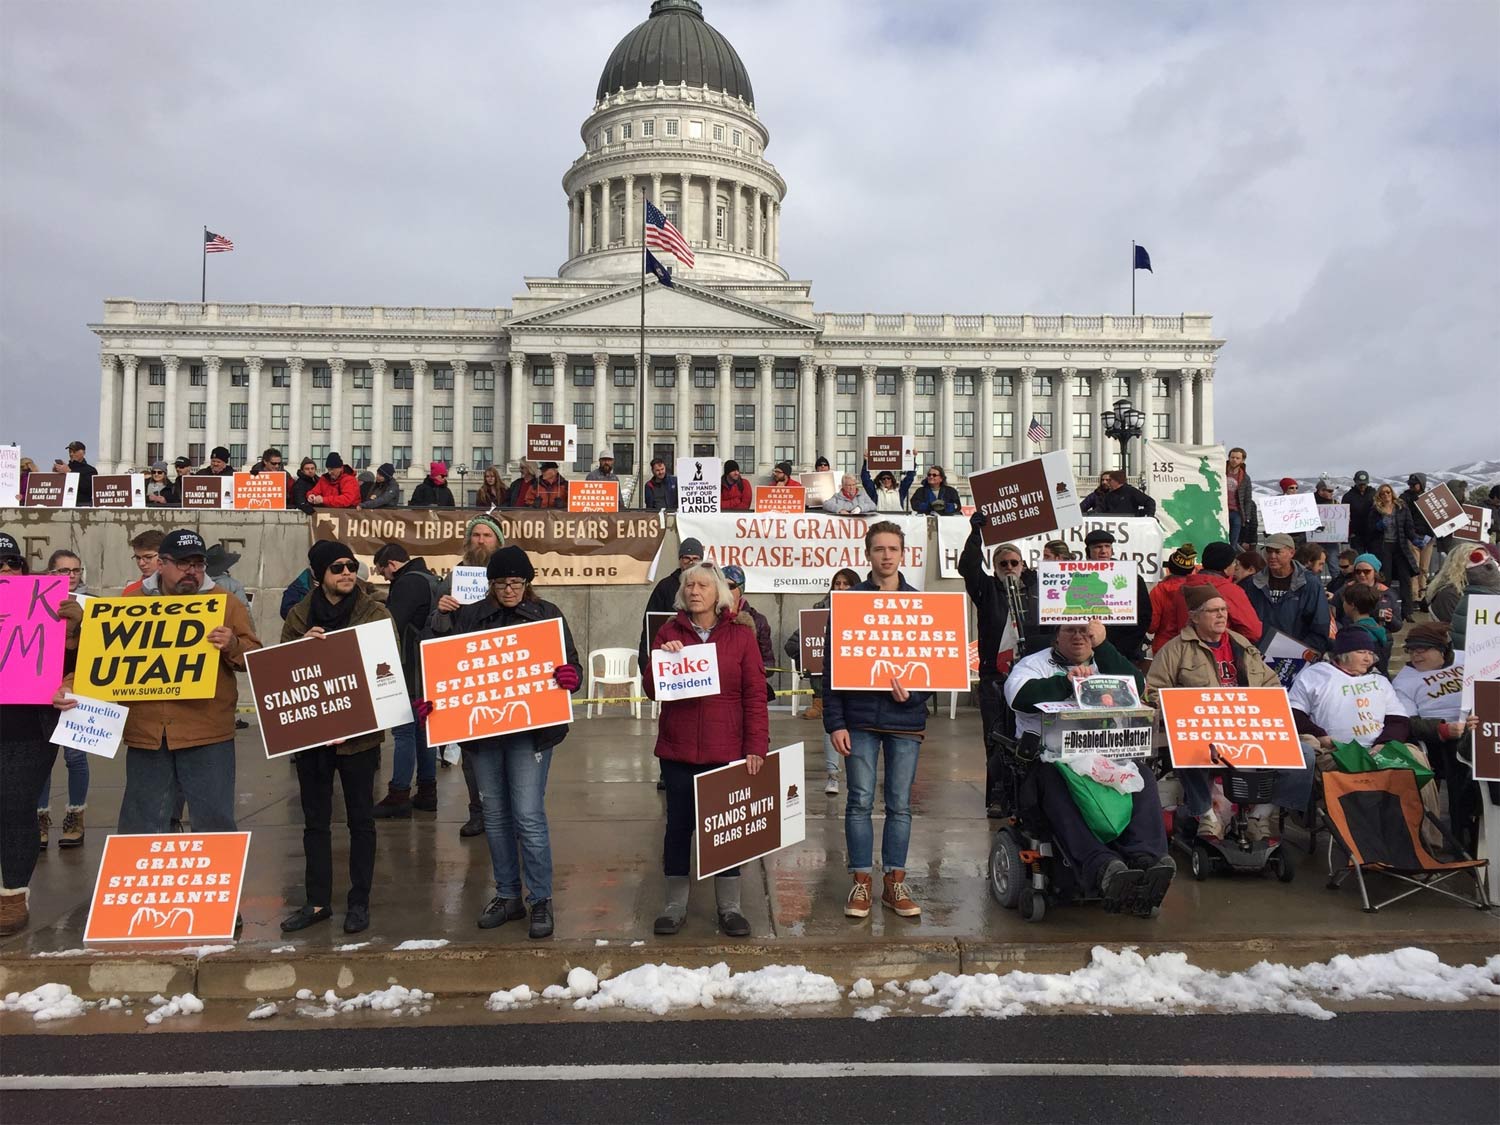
[(1132, 277), (641, 460), (203, 287)]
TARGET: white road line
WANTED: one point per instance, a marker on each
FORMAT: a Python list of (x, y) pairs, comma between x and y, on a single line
[(751, 1070)]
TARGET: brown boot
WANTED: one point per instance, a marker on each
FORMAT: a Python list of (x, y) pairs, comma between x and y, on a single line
[(425, 799), (897, 897), (14, 913), (72, 828), (396, 803), (815, 711), (858, 905), (43, 825)]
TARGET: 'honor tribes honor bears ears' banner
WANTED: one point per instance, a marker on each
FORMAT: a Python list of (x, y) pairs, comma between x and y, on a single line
[(921, 639), (741, 818), (607, 549), (150, 648), (789, 554), (1187, 483), (168, 888), (313, 691), (1250, 727), (497, 682)]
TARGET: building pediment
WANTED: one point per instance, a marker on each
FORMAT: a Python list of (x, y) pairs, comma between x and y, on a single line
[(682, 306)]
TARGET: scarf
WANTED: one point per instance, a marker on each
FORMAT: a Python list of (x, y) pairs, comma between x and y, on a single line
[(325, 615)]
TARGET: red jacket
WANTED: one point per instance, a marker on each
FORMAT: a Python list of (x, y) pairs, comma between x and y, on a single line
[(735, 496), (714, 730), (1242, 616), (1163, 616), (341, 493)]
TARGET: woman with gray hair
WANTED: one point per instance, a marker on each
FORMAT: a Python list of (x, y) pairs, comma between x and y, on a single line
[(700, 734)]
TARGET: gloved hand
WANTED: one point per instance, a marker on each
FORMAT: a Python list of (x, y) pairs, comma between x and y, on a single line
[(977, 520), (567, 677), (420, 709)]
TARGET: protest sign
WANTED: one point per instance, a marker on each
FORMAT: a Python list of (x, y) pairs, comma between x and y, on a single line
[(208, 492), (312, 691), (1187, 483), (608, 549), (698, 485), (801, 553), (33, 636), (125, 490), (593, 496), (260, 492), (1477, 527), (1249, 726), (10, 476), (150, 648), (1333, 524), (497, 682), (1289, 514), (1137, 539), (1482, 644), (1030, 497), (552, 442), (1116, 733), (654, 622), (741, 818), (819, 487), (1487, 737), (921, 639), (1443, 512), (1106, 691), (688, 674), (52, 490), (896, 453), (95, 726), (812, 625), (780, 498), (470, 584), (177, 887), (1286, 656), (1086, 589)]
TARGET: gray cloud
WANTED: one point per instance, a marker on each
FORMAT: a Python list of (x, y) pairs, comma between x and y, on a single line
[(1321, 177)]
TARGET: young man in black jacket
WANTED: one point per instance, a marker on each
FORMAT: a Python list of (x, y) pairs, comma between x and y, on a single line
[(412, 593), (1116, 496)]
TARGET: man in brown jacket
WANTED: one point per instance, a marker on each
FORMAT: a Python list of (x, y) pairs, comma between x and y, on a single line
[(187, 745)]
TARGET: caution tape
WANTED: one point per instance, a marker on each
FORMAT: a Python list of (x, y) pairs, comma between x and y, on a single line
[(606, 699)]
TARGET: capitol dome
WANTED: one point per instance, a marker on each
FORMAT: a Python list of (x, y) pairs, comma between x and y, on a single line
[(675, 45)]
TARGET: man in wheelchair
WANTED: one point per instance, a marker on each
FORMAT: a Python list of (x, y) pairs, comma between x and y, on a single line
[(1132, 871)]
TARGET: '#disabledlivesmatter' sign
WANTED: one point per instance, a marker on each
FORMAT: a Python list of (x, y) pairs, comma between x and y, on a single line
[(688, 674), (920, 639), (1250, 726), (32, 636), (498, 682), (150, 648), (1086, 589), (741, 818), (168, 888)]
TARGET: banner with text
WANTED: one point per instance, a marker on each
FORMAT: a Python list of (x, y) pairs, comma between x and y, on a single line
[(741, 817), (789, 554), (1333, 524), (179, 887), (1085, 590), (690, 673), (921, 639), (33, 636), (52, 490), (497, 682), (150, 648), (1187, 483), (1441, 509), (1137, 539), (698, 485), (125, 490), (1249, 727), (1482, 641), (1290, 514), (95, 726), (1031, 497)]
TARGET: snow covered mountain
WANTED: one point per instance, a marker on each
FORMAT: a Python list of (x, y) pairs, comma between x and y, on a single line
[(1473, 473)]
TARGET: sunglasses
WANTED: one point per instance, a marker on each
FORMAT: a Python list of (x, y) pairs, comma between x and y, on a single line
[(343, 568), (1009, 564), (1363, 570)]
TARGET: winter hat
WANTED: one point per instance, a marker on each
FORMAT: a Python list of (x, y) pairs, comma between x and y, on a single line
[(8, 544), (545, 465), (1183, 560), (1197, 595), (184, 543), (1417, 480), (490, 522), (220, 452), (735, 576), (510, 562), (219, 559), (323, 554), (1369, 560), (437, 469), (1287, 482), (1217, 556), (366, 477), (387, 470), (690, 546), (182, 462), (1361, 477), (158, 466), (785, 467), (333, 461), (1429, 634), (731, 467), (1098, 535), (1353, 639)]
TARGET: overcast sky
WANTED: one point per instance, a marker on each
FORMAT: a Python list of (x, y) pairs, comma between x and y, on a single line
[(1324, 178)]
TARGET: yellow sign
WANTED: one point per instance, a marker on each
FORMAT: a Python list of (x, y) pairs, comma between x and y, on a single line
[(149, 648)]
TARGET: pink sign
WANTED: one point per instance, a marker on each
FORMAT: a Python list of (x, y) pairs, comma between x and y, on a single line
[(32, 636)]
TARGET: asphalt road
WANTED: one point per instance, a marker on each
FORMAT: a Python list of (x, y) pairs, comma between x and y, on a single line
[(1384, 1067)]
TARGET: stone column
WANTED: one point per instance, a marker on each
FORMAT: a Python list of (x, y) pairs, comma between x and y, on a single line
[(945, 420), (710, 231), (602, 400), (985, 424), (297, 411), (682, 207), (254, 437), (1188, 429), (1064, 436), (656, 202), (773, 218), (515, 415), (737, 217), (683, 408), (765, 422), (828, 438), (572, 225), (1103, 401), (632, 228), (753, 227), (380, 415), (212, 425), (1022, 445), (108, 432), (1137, 447), (170, 449), (909, 400), (807, 412), (421, 419), (560, 414), (1205, 402), (338, 440), (130, 446), (588, 217), (867, 375), (462, 430), (606, 212), (725, 408)]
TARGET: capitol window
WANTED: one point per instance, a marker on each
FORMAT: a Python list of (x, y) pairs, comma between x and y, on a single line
[(885, 422), (1005, 384), (238, 376), (400, 456), (484, 420), (963, 462), (1081, 385), (738, 138), (695, 130), (279, 376), (663, 416), (671, 126), (625, 130), (926, 383), (1082, 424), (745, 455), (648, 128), (703, 418), (744, 378), (784, 453), (719, 221), (541, 376), (846, 423), (583, 375), (237, 453), (608, 136), (483, 379), (1161, 427), (322, 376), (1160, 388), (1122, 386), (279, 414), (482, 457), (847, 382), (1041, 385), (364, 379), (541, 413), (718, 132), (196, 378), (963, 384), (197, 416), (786, 418), (583, 415), (359, 455), (785, 379), (442, 378), (360, 416), (321, 415), (926, 423), (1083, 465), (401, 419), (624, 376), (744, 417), (705, 377), (885, 383), (1003, 424), (442, 419), (156, 375), (442, 453), (239, 415), (402, 379), (664, 377), (963, 423), (624, 418)]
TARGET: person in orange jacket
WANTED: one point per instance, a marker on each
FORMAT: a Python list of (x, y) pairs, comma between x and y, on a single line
[(336, 488)]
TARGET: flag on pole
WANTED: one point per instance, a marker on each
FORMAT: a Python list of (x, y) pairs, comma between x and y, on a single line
[(662, 235), (663, 274), (1036, 431), (1143, 260), (215, 243)]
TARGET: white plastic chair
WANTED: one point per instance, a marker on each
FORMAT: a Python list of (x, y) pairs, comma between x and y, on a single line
[(621, 666)]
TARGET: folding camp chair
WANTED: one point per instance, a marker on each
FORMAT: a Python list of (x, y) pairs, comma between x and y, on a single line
[(1376, 818)]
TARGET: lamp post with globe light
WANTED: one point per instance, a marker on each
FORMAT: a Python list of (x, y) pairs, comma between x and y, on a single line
[(463, 493), (1124, 423)]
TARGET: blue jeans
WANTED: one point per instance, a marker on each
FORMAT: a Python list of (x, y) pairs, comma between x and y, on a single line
[(203, 774), (412, 753), (900, 770), (512, 777), (830, 756), (1291, 789), (1236, 523), (78, 781)]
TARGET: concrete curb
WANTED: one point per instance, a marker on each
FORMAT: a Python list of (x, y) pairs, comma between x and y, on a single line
[(474, 970)]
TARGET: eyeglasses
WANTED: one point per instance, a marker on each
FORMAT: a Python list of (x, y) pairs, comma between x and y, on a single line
[(734, 585), (1009, 564), (67, 570), (187, 564), (146, 556), (343, 568), (511, 583), (937, 476)]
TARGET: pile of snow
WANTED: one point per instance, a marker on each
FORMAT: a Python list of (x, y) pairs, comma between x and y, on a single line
[(862, 989), (420, 943), (66, 953), (872, 1013), (397, 999), (264, 1012), (506, 999), (581, 983), (49, 1002), (185, 1005), (353, 945), (662, 988)]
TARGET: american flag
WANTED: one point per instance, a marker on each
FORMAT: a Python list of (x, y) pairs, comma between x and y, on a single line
[(1036, 431), (662, 235), (215, 243)]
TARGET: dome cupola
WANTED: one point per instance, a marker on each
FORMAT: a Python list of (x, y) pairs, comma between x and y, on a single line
[(675, 46)]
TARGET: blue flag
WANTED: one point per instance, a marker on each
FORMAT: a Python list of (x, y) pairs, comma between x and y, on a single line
[(1143, 260), (663, 274)]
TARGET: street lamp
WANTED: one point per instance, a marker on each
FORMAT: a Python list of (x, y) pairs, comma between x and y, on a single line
[(1124, 423), (463, 493)]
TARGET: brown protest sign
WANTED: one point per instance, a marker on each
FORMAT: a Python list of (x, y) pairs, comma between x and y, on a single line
[(654, 622), (51, 490), (557, 442), (127, 490), (567, 548), (813, 624), (1477, 529), (1030, 497), (742, 817), (1441, 509), (207, 492), (1487, 737), (892, 452)]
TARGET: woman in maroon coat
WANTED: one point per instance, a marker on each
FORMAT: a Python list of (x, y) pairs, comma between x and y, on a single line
[(694, 735)]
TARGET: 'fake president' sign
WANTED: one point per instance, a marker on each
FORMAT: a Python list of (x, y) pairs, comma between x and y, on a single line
[(150, 648)]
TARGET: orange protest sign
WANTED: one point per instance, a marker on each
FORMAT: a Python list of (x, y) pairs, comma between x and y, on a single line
[(497, 682), (919, 638), (174, 887), (593, 496), (780, 498), (263, 492), (1249, 726)]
